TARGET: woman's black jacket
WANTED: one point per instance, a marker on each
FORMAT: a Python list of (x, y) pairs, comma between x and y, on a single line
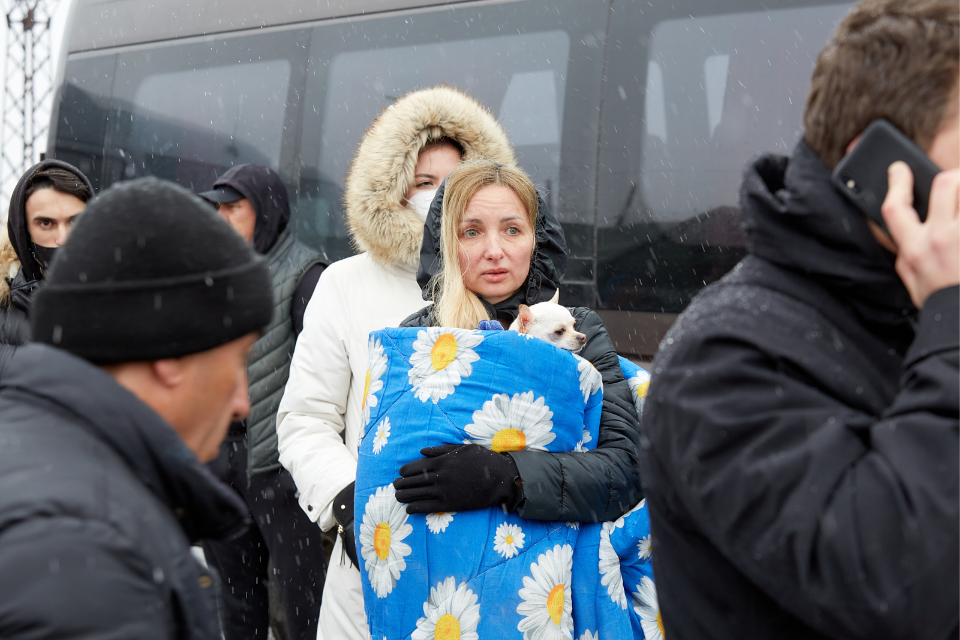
[(595, 486)]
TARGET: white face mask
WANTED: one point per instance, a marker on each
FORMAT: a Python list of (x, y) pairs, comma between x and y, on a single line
[(420, 202)]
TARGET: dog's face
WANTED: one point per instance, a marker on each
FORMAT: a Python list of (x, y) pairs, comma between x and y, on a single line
[(551, 322)]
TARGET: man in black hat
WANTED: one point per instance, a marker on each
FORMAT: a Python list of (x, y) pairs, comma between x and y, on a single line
[(145, 323), (254, 201)]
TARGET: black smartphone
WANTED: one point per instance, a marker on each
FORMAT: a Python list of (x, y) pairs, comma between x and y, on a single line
[(862, 173)]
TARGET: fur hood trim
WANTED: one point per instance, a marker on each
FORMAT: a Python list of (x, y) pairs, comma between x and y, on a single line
[(9, 266), (383, 168)]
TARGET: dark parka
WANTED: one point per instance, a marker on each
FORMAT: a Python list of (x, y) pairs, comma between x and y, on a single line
[(801, 434), (100, 501), (294, 270), (599, 485), (14, 313)]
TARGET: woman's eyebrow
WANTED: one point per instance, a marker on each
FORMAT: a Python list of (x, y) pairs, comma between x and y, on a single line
[(425, 175), (479, 221)]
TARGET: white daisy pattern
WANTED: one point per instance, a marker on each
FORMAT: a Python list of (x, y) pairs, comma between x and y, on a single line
[(450, 612), (508, 540), (581, 446), (638, 387), (376, 367), (590, 379), (643, 548), (545, 604), (381, 540), (619, 522), (382, 435), (437, 522), (589, 635), (441, 359), (610, 567), (512, 424), (646, 605)]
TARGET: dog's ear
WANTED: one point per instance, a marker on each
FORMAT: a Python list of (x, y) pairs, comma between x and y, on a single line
[(556, 297), (525, 318)]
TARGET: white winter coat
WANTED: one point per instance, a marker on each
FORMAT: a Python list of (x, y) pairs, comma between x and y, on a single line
[(318, 423), (319, 420)]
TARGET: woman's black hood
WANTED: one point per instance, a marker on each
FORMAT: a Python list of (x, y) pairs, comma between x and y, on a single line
[(268, 195), (547, 267), (794, 217), (17, 217)]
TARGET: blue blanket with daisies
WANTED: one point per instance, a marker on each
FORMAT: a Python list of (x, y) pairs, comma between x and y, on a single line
[(488, 573)]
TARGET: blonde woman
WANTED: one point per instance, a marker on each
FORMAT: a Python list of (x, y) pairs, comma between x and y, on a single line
[(491, 244), (402, 159)]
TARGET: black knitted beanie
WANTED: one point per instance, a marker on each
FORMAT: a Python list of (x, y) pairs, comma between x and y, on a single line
[(149, 272)]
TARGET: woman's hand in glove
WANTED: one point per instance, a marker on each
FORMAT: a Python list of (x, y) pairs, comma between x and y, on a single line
[(459, 478)]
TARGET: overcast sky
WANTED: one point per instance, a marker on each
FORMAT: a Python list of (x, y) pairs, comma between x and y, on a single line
[(57, 24)]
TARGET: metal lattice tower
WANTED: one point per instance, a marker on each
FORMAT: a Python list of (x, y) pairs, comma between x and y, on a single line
[(28, 87)]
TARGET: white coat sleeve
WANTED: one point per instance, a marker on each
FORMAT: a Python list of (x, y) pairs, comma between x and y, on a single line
[(311, 415)]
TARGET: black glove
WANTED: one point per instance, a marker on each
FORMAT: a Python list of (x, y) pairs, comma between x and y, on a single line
[(343, 513), (458, 477)]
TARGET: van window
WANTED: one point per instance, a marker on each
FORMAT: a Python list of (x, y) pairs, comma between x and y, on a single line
[(522, 84), (187, 111), (733, 86), (81, 115), (523, 75), (715, 91), (227, 107), (183, 110)]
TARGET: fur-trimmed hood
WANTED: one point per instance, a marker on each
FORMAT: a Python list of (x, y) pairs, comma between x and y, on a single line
[(384, 166), (9, 266)]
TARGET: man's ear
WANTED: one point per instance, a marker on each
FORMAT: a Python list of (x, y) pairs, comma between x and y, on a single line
[(556, 297), (853, 143), (170, 372), (525, 317)]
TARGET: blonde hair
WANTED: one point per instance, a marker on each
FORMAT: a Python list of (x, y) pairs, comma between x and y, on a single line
[(454, 305)]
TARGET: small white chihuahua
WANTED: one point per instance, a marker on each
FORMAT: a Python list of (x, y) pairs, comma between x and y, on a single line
[(551, 322)]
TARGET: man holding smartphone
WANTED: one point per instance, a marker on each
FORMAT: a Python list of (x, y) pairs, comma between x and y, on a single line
[(800, 435)]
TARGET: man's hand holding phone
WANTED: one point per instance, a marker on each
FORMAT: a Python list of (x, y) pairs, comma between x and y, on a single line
[(928, 253)]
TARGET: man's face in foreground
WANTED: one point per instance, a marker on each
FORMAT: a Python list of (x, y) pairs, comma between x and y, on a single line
[(214, 393)]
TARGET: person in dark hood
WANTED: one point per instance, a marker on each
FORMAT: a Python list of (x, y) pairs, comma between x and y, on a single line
[(800, 447), (491, 219), (130, 384), (253, 200), (45, 203)]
